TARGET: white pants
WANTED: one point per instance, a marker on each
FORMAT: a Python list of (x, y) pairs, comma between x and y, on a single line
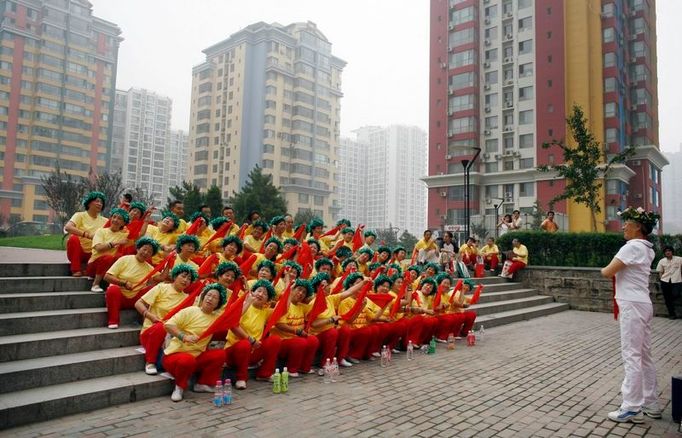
[(425, 256), (639, 385)]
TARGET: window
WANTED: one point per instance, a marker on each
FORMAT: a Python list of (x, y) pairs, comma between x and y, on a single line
[(491, 55), (461, 37), (610, 109), (525, 93), (611, 135), (462, 15), (608, 35), (526, 117), (491, 99), (491, 122), (527, 189), (465, 124), (461, 59), (491, 12), (526, 69), (491, 77), (523, 4), (526, 141), (508, 165), (526, 163), (492, 191), (525, 24), (491, 145), (491, 167), (525, 47), (609, 85), (461, 103), (609, 59), (508, 142)]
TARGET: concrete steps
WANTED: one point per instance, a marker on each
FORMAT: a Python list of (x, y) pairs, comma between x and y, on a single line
[(58, 358)]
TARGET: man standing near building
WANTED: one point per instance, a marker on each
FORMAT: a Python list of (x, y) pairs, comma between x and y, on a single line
[(669, 270), (548, 224)]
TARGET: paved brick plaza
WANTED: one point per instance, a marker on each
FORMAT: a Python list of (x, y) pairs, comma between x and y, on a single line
[(549, 377)]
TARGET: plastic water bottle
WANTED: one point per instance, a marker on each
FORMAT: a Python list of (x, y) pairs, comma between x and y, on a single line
[(481, 332), (451, 341), (424, 349), (218, 394), (327, 371), (334, 375), (285, 380), (276, 382), (471, 338), (410, 350), (432, 346), (227, 393), (384, 356)]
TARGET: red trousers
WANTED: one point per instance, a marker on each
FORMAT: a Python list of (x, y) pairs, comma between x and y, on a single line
[(342, 344), (240, 355), (329, 343), (101, 265), (492, 261), (209, 364), (414, 329), (429, 326), (449, 323), (469, 259), (388, 334), (152, 341), (516, 266), (469, 319), (116, 301), (361, 341), (299, 353), (74, 252)]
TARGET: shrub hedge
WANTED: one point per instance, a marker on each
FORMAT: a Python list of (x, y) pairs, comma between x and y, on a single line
[(579, 249)]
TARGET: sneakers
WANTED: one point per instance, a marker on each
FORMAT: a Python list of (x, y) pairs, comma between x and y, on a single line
[(96, 289), (376, 354), (652, 411), (396, 351), (177, 394), (240, 384), (320, 372), (150, 369), (265, 379), (294, 375), (623, 416), (199, 387), (353, 360), (112, 326), (442, 341), (345, 363)]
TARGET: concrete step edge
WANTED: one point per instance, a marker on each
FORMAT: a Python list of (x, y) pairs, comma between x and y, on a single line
[(507, 317), (65, 334), (514, 301), (66, 359)]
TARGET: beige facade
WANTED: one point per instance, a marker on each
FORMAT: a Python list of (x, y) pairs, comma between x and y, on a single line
[(269, 96)]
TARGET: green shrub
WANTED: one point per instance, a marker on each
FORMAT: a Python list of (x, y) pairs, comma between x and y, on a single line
[(579, 249)]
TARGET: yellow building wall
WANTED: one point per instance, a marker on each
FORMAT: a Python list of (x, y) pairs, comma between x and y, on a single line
[(584, 86)]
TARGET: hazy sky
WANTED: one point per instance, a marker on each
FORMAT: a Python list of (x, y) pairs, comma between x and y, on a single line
[(385, 42)]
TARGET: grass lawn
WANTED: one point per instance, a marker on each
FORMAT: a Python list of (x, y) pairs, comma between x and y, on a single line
[(49, 241)]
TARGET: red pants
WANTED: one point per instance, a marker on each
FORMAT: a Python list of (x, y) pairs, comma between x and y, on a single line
[(361, 340), (74, 252), (449, 323), (152, 341), (116, 301), (429, 326), (516, 266), (329, 340), (414, 329), (240, 355), (468, 324), (469, 259), (492, 261), (399, 330), (388, 334), (342, 344), (299, 353), (101, 265), (183, 365)]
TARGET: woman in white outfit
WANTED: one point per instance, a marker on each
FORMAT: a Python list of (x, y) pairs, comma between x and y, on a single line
[(632, 266)]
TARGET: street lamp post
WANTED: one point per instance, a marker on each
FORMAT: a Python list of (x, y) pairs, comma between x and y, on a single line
[(467, 164)]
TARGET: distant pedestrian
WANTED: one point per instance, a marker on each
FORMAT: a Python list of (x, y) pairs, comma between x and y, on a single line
[(631, 268), (669, 269), (548, 224)]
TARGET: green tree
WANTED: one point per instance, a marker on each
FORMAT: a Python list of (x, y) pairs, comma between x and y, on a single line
[(64, 193), (408, 241), (389, 236), (189, 194), (538, 215), (258, 194), (111, 184), (214, 200), (585, 165), (304, 216)]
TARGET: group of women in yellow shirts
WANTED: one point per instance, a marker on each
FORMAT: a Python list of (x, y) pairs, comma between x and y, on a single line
[(264, 293)]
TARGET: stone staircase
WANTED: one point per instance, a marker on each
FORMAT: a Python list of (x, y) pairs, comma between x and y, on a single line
[(58, 358)]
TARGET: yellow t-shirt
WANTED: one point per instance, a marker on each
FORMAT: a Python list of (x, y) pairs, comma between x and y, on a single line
[(234, 229), (295, 317), (163, 239), (106, 235), (421, 244), (192, 321), (332, 304), (85, 222), (363, 317), (427, 300), (398, 315), (288, 234), (521, 253), (181, 227), (253, 242), (203, 238), (253, 322), (469, 250), (457, 305), (161, 299), (489, 250), (128, 268), (178, 261), (222, 258)]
